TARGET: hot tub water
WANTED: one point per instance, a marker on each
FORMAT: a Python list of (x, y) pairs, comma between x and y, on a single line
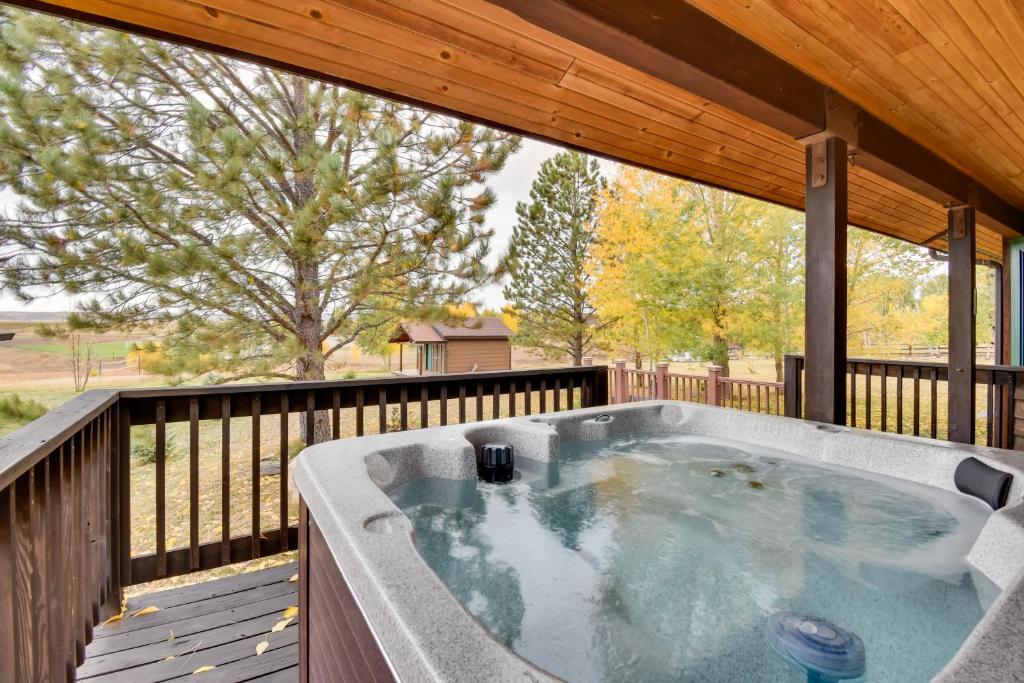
[(662, 558)]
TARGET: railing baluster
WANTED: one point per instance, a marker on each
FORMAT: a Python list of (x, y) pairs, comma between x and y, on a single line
[(899, 399), (529, 397), (424, 406), (40, 568), (282, 494), (193, 483), (570, 394), (24, 625), (403, 410), (9, 653), (335, 414), (225, 479), (83, 611), (867, 396), (885, 397), (917, 401), (359, 411), (479, 401), (496, 400), (512, 398), (161, 486), (382, 410), (989, 400), (462, 403), (935, 403), (543, 395), (558, 395), (444, 404), (853, 394), (69, 617), (255, 464)]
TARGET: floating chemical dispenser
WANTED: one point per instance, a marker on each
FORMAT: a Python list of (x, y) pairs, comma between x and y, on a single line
[(825, 651), (496, 464)]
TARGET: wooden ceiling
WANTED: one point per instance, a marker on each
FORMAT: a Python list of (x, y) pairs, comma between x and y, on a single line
[(472, 58), (948, 73)]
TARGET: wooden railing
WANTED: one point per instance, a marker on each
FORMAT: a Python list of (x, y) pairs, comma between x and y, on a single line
[(629, 384), (62, 533), (909, 397), (68, 482)]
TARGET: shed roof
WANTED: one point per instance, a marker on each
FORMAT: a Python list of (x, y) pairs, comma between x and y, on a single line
[(471, 328), (941, 75)]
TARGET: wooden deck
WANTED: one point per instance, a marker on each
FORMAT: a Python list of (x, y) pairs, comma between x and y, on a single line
[(218, 623)]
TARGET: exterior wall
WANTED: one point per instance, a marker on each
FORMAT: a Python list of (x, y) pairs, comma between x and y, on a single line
[(487, 354), (335, 641)]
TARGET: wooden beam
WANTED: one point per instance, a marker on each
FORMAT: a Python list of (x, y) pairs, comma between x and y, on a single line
[(681, 45), (961, 402), (825, 288)]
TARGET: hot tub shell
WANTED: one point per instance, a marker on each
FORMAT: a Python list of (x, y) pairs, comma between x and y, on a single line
[(371, 609)]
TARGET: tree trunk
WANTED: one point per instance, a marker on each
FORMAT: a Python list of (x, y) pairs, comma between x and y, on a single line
[(779, 371), (308, 321), (720, 353), (576, 349)]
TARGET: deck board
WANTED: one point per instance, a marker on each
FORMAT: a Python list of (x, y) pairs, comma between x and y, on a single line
[(217, 623)]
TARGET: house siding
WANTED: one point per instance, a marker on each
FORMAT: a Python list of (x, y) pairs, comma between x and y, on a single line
[(486, 354)]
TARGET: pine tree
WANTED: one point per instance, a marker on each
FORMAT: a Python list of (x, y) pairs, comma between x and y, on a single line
[(549, 287), (264, 219)]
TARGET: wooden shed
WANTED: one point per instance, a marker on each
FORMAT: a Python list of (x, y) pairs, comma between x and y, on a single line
[(477, 344)]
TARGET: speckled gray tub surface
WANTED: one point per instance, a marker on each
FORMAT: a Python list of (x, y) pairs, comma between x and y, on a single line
[(428, 635)]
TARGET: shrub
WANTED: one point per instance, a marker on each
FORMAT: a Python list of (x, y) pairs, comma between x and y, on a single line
[(16, 408), (144, 445)]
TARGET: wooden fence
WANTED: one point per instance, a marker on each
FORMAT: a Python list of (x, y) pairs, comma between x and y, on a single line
[(66, 487), (629, 384)]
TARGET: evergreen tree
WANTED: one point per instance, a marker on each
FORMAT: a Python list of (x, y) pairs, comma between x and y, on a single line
[(264, 218), (549, 286)]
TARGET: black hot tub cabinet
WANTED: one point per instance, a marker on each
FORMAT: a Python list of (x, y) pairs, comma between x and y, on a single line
[(372, 610)]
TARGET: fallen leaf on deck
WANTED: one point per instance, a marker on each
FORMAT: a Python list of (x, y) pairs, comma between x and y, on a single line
[(114, 618), (146, 610), (279, 626), (202, 669), (291, 612), (294, 578), (261, 647), (167, 658)]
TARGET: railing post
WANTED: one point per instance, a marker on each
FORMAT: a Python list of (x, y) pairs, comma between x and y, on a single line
[(600, 395), (714, 396), (621, 390), (661, 380), (791, 385)]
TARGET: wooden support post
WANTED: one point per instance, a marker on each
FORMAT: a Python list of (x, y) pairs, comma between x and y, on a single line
[(714, 373), (825, 288), (661, 380), (961, 403), (621, 390)]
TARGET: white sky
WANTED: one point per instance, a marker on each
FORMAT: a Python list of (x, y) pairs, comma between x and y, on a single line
[(511, 185)]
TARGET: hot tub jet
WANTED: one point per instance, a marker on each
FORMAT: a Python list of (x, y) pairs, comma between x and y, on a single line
[(496, 464)]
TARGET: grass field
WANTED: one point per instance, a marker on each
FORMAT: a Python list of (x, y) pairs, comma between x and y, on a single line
[(102, 349)]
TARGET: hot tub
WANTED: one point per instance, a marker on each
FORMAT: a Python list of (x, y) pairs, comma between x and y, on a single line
[(656, 541)]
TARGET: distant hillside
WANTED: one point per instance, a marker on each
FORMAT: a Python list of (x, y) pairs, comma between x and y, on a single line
[(33, 316)]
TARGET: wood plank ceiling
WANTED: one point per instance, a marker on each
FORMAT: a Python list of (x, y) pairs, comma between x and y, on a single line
[(470, 57)]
